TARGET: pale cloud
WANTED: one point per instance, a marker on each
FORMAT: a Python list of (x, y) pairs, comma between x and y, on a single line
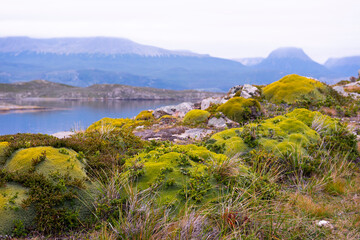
[(226, 28)]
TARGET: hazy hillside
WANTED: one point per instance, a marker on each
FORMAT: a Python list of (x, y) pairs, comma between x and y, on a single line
[(249, 61), (46, 89), (348, 66), (97, 60)]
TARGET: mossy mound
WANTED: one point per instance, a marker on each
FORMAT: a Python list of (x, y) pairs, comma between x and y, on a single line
[(145, 115), (196, 116), (11, 197), (180, 172), (109, 124), (55, 161), (45, 188), (293, 88), (280, 135), (240, 109)]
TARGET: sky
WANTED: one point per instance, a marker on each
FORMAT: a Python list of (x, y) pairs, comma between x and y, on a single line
[(221, 28)]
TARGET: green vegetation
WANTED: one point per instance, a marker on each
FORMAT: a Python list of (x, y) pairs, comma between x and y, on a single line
[(281, 135), (292, 88), (196, 116), (272, 178), (180, 172), (109, 124), (145, 115), (240, 109)]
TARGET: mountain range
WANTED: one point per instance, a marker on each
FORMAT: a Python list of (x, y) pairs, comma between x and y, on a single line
[(97, 60)]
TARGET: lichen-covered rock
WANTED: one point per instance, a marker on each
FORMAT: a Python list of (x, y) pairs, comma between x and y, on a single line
[(292, 88), (280, 135), (234, 90), (180, 171), (240, 109), (196, 116), (205, 103), (217, 122), (194, 133), (145, 115), (249, 91)]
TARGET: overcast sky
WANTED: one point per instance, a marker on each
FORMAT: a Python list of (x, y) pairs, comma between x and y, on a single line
[(223, 28)]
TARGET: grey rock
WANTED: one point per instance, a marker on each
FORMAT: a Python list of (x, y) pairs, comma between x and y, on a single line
[(63, 134), (234, 90), (194, 133), (217, 122), (340, 89), (249, 91), (205, 103), (176, 110), (161, 134)]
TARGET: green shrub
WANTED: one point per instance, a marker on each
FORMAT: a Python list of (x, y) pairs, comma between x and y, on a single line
[(145, 115), (240, 109), (196, 116)]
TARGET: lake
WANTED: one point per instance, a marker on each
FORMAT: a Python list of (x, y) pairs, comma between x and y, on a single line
[(68, 115)]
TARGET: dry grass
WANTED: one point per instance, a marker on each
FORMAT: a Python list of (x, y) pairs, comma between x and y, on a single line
[(355, 89), (328, 111), (308, 206)]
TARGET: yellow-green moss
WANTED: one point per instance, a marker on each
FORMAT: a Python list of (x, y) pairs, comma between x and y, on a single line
[(280, 134), (145, 115), (62, 161), (167, 117), (196, 116), (174, 167), (292, 88), (3, 146), (314, 118), (108, 124), (239, 109), (11, 197)]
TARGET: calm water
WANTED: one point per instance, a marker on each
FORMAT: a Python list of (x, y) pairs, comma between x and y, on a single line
[(71, 114)]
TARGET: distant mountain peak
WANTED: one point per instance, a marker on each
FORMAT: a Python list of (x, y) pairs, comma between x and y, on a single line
[(289, 52)]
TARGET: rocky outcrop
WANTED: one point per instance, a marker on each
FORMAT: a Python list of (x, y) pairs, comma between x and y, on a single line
[(350, 89), (245, 91), (175, 110), (249, 91), (205, 103)]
